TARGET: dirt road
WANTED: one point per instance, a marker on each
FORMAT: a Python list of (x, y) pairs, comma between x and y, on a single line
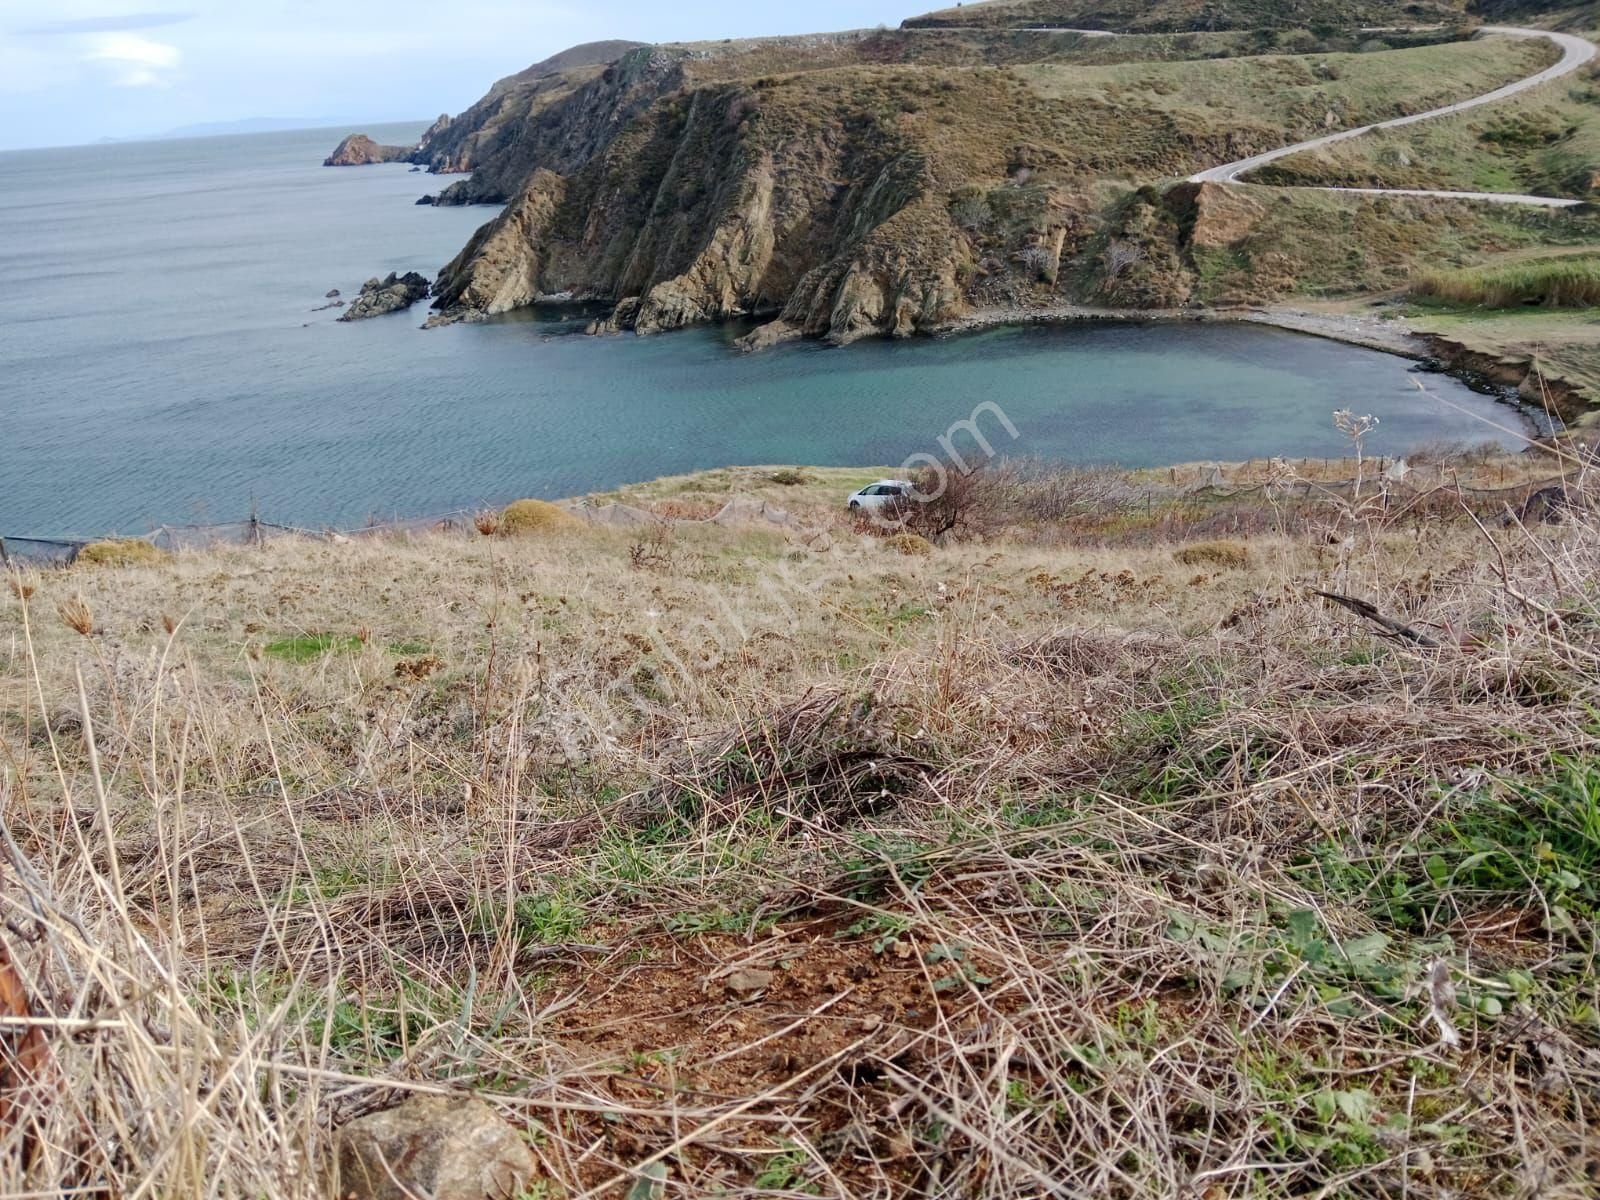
[(1575, 53)]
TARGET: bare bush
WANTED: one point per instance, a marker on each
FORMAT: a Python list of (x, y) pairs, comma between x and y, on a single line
[(1121, 255), (1043, 490), (652, 550), (952, 501)]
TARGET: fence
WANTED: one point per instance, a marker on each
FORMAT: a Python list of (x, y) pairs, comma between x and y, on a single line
[(253, 531)]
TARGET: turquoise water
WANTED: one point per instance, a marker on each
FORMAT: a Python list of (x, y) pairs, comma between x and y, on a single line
[(159, 363)]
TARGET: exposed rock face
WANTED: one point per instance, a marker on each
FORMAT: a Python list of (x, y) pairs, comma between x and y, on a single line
[(1215, 216), (358, 150), (698, 210), (554, 118), (387, 295), (441, 1147)]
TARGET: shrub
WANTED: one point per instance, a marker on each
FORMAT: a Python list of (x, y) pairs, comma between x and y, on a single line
[(952, 502), (121, 552), (1214, 554), (533, 516), (913, 544), (790, 477)]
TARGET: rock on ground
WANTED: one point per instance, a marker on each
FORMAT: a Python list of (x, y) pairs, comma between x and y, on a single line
[(391, 294), (442, 1147)]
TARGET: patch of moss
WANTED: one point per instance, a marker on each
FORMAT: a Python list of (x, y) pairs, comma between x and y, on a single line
[(121, 552)]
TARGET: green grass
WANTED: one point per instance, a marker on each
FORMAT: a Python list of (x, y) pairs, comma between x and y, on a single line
[(1569, 281), (308, 647), (1524, 843)]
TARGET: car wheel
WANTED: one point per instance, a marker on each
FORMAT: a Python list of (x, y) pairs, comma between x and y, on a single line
[(855, 506)]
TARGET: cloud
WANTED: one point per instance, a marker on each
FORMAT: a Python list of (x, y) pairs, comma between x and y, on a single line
[(142, 20), (134, 61)]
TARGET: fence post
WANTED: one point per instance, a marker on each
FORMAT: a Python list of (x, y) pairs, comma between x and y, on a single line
[(5, 559)]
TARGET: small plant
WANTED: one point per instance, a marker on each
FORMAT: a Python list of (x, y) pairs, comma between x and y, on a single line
[(76, 615), (23, 582), (1356, 428), (523, 517), (653, 550), (486, 521), (789, 477), (784, 1172)]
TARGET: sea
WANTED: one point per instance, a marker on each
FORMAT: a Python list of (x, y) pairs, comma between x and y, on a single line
[(165, 359)]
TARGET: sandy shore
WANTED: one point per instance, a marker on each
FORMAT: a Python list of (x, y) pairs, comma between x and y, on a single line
[(1390, 334)]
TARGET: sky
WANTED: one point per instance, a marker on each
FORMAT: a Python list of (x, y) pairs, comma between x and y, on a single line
[(75, 71)]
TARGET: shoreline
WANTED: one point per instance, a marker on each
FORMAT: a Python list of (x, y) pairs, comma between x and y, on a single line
[(1386, 335), (1372, 333)]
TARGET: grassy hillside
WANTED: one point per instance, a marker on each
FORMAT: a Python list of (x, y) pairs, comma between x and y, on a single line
[(1546, 142), (1230, 247), (1172, 15), (1088, 849)]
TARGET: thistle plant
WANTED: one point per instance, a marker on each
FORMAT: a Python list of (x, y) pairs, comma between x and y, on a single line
[(1356, 429)]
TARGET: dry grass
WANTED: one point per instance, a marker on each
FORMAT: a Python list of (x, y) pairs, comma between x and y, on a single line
[(911, 544), (1032, 867), (1565, 281), (523, 517), (1213, 554)]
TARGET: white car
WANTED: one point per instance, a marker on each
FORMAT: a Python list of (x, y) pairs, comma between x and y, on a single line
[(882, 494)]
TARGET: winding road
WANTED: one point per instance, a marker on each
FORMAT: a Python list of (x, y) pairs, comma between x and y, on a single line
[(1575, 53)]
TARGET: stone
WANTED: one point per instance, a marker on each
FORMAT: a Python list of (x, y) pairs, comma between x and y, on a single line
[(749, 980), (387, 295), (441, 1147)]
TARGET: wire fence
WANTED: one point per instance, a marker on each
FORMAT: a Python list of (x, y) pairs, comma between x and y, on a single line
[(253, 531)]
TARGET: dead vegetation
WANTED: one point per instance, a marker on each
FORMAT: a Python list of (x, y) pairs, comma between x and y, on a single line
[(1044, 863)]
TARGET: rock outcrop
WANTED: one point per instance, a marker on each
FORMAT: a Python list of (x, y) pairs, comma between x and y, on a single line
[(390, 294), (443, 1147), (358, 150)]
